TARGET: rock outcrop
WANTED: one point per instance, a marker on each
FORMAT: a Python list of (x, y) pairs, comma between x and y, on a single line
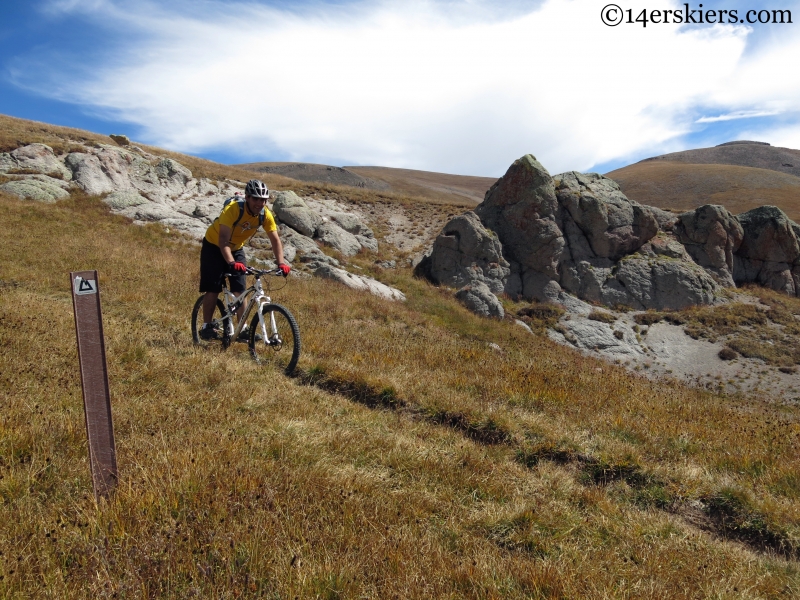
[(521, 208), (343, 232), (147, 188), (574, 232), (464, 253), (769, 251), (359, 282), (711, 235)]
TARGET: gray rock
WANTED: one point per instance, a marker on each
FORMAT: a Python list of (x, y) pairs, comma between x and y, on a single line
[(538, 286), (41, 189), (359, 282), (303, 246), (598, 336), (124, 199), (521, 208), (7, 163), (478, 298), (666, 220), (769, 251), (122, 140), (290, 209), (660, 283), (107, 171), (768, 235), (665, 244), (611, 224), (337, 238), (524, 325), (351, 224), (368, 243), (711, 236), (466, 252), (39, 158)]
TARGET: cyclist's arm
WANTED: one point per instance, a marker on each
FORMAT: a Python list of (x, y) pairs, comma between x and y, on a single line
[(277, 246), (225, 233)]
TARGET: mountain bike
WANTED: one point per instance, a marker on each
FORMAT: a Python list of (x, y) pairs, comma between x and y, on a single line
[(274, 336)]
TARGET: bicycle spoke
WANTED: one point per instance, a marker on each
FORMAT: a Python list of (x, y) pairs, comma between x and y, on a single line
[(281, 345)]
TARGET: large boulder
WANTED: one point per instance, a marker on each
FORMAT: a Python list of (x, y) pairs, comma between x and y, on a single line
[(40, 188), (611, 224), (478, 298), (521, 208), (290, 209), (769, 252), (109, 169), (337, 238), (711, 236), (358, 282), (34, 158), (466, 252)]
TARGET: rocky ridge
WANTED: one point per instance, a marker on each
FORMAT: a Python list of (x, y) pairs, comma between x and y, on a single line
[(147, 188), (538, 237)]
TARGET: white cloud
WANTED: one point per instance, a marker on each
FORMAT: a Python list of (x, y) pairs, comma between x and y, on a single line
[(434, 86), (739, 114)]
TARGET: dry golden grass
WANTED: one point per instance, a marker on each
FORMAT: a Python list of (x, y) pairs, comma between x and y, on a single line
[(424, 186), (408, 459), (460, 189), (682, 187)]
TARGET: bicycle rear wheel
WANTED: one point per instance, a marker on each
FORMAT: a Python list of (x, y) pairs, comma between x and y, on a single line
[(281, 345), (220, 320)]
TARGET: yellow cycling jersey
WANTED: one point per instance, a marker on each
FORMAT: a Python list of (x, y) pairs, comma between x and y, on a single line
[(243, 230)]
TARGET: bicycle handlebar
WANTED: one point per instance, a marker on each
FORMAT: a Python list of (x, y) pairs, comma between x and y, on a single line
[(260, 272)]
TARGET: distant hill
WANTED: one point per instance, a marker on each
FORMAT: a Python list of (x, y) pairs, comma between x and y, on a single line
[(425, 184), (739, 175)]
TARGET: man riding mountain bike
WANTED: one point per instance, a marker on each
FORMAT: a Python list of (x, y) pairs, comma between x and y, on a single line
[(223, 251)]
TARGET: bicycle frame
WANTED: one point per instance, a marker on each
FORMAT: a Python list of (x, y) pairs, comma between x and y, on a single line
[(254, 295)]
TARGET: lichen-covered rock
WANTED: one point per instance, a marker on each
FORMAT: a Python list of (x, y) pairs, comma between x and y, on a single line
[(351, 224), (35, 158), (41, 189), (611, 224), (711, 236), (769, 250), (666, 220), (122, 140), (337, 238), (660, 283), (478, 298), (307, 249), (290, 209), (466, 252), (521, 209), (359, 282), (124, 199)]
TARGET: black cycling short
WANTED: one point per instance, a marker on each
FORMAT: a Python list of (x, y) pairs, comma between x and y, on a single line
[(213, 267)]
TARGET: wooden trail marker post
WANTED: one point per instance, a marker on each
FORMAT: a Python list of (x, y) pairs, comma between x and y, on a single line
[(94, 380)]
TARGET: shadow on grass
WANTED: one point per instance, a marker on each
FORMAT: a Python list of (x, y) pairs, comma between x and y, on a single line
[(726, 514)]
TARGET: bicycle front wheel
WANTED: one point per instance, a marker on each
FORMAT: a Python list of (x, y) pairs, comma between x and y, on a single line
[(223, 337), (278, 341)]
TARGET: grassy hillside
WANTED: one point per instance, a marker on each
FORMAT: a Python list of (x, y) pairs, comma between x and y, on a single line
[(420, 452), (462, 190), (426, 183), (678, 186)]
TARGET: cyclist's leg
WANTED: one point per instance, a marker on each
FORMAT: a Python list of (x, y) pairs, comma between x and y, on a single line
[(212, 269), (238, 283)]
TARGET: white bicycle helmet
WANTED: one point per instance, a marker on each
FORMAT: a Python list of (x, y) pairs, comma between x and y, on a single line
[(256, 189)]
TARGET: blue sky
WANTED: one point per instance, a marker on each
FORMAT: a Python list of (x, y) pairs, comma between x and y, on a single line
[(458, 86)]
